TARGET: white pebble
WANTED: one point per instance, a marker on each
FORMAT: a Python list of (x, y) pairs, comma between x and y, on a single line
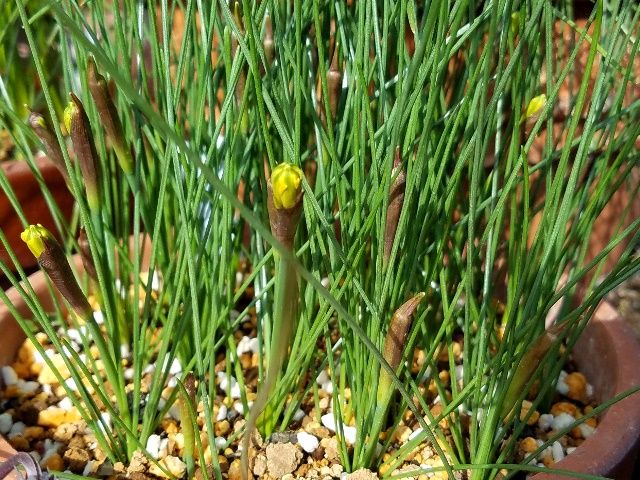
[(27, 387), (562, 421), (106, 418), (172, 383), (299, 415), (308, 442), (235, 390), (156, 281), (71, 384), (350, 434), (16, 429), (247, 345), (323, 377), (325, 282), (328, 421), (5, 423), (46, 388), (222, 413), (586, 430), (238, 407), (65, 404), (98, 317), (220, 442), (176, 368), (9, 376), (125, 350), (153, 445), (415, 433), (459, 372), (149, 369), (570, 450), (328, 387), (545, 421), (74, 335), (561, 387), (589, 390), (88, 468), (128, 374), (557, 452), (163, 451)]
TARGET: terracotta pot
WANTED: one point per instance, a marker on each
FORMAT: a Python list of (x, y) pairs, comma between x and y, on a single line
[(33, 203), (607, 353)]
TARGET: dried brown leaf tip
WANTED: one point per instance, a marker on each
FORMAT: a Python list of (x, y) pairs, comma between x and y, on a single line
[(396, 200), (109, 116), (77, 124), (51, 146)]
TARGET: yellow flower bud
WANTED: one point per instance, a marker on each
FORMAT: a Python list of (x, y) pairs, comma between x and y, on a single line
[(34, 237), (69, 112), (286, 183), (535, 105)]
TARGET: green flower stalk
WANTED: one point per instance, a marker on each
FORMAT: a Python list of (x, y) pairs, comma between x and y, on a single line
[(77, 124), (109, 116), (284, 202), (53, 261), (394, 346), (50, 143), (396, 200)]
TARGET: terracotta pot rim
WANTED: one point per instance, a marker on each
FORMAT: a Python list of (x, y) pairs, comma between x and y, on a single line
[(615, 441)]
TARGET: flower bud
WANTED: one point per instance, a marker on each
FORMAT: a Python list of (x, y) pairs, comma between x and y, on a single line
[(53, 261), (85, 254), (48, 139), (34, 237), (396, 200), (535, 105), (109, 116), (285, 181), (267, 43), (334, 85), (284, 201), (77, 124), (395, 342)]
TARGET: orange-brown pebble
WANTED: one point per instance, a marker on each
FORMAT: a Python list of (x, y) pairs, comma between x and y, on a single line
[(576, 432), (577, 384), (33, 433), (564, 407), (22, 369), (54, 463), (548, 461), (56, 416), (47, 376), (169, 425), (19, 443), (528, 445), (11, 391), (533, 418)]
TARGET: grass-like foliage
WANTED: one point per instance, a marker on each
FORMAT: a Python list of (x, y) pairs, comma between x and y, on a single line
[(456, 155)]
